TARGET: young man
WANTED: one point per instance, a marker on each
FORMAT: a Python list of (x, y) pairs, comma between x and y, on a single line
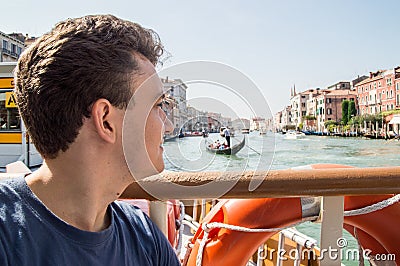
[(73, 88)]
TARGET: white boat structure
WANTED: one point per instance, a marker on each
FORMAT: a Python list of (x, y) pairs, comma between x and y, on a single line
[(291, 134), (15, 144)]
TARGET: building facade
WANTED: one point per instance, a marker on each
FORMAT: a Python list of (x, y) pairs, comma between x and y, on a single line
[(379, 93), (176, 89), (11, 48)]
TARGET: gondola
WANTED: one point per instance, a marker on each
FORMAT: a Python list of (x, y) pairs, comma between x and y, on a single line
[(168, 138), (228, 151)]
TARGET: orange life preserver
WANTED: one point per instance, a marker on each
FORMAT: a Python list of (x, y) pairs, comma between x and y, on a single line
[(227, 247), (172, 217), (378, 229)]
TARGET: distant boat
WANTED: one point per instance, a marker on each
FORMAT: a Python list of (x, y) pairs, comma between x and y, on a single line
[(168, 138), (193, 134), (245, 131), (227, 151), (204, 134), (291, 134)]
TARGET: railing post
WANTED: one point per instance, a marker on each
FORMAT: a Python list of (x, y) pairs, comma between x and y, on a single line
[(158, 214), (331, 230), (281, 246)]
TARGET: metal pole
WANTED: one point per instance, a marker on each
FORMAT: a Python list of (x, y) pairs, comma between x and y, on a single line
[(281, 247)]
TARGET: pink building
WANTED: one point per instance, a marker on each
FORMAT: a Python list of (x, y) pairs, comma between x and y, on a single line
[(397, 85), (378, 93)]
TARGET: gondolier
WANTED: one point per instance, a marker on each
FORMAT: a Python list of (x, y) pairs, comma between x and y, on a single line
[(227, 135)]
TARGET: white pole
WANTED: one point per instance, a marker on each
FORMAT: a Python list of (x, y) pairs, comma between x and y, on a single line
[(331, 230)]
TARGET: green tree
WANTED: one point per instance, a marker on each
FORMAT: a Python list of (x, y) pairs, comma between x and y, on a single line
[(352, 111), (345, 112)]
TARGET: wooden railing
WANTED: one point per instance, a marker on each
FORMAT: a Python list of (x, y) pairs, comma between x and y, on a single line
[(274, 183)]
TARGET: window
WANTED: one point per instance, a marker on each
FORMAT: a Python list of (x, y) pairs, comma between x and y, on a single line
[(374, 85), (19, 50), (13, 48), (5, 44), (379, 84), (328, 111), (389, 81), (328, 100), (9, 116), (397, 86), (398, 100), (391, 94)]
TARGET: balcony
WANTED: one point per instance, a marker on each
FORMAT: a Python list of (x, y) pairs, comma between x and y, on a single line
[(10, 53)]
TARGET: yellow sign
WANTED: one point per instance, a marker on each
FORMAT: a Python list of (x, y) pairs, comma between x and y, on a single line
[(6, 83), (10, 100)]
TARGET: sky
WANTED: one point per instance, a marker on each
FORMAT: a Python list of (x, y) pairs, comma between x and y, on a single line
[(275, 44)]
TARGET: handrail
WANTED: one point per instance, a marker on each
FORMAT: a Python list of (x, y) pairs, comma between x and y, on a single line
[(274, 183)]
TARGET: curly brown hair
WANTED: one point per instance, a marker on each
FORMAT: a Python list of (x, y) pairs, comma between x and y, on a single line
[(61, 75)]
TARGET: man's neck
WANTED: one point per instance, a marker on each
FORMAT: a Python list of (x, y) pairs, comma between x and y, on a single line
[(76, 195)]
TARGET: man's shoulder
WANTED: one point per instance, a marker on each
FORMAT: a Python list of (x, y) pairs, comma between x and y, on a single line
[(11, 188)]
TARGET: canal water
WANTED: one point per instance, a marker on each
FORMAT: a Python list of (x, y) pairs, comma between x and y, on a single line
[(274, 151)]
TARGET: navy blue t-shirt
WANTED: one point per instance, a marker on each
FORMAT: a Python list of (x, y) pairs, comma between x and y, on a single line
[(30, 234)]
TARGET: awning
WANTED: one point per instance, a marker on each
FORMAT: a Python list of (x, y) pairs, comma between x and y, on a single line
[(395, 120)]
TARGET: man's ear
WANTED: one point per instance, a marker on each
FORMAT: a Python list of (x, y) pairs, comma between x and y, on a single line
[(104, 120)]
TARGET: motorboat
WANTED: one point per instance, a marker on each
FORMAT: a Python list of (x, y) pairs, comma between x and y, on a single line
[(291, 134)]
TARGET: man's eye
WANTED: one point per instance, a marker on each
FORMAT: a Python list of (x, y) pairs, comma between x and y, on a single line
[(163, 106)]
